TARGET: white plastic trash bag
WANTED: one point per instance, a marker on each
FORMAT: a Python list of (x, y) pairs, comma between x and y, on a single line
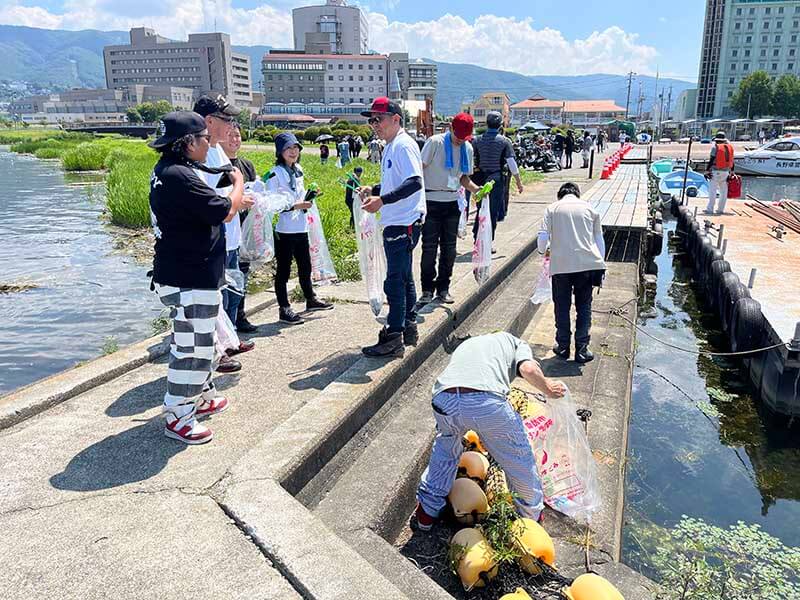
[(226, 337), (371, 256), (234, 281), (258, 242), (463, 207), (543, 291), (482, 249), (564, 459), (322, 269)]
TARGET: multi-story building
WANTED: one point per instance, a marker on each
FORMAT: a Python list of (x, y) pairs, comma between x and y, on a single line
[(323, 84), (740, 37), (417, 78), (82, 105), (686, 105), (205, 63), (488, 102), (331, 28), (579, 113)]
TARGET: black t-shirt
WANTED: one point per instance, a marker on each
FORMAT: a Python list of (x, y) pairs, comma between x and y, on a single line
[(188, 221), (247, 168)]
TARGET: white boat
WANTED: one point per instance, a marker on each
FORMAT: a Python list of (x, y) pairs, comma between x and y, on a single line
[(780, 158), (671, 184)]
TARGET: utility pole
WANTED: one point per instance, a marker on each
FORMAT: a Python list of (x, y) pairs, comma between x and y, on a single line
[(628, 100), (640, 102), (669, 101)]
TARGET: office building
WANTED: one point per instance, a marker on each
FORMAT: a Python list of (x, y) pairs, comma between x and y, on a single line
[(330, 28), (205, 63), (417, 78), (740, 37)]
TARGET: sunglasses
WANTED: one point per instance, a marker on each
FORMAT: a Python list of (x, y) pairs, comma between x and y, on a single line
[(207, 136), (376, 119)]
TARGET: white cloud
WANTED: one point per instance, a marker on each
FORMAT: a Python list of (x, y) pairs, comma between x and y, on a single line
[(513, 45), (489, 41)]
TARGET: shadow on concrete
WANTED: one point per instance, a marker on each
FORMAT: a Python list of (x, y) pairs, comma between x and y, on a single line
[(133, 455), (322, 373), (139, 399), (558, 367)]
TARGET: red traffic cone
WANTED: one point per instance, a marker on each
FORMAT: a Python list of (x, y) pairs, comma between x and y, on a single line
[(606, 171)]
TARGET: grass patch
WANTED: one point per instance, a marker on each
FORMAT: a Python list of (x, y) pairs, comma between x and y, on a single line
[(128, 188), (49, 152), (88, 156)]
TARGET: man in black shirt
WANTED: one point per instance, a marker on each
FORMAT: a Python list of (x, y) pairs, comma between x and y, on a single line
[(231, 147), (189, 268), (353, 183)]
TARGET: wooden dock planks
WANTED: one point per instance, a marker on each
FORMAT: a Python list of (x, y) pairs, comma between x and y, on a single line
[(621, 200)]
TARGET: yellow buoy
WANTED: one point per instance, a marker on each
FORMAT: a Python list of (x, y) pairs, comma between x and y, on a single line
[(534, 542), (476, 563), (474, 465), (518, 594), (592, 587), (468, 501), (473, 442)]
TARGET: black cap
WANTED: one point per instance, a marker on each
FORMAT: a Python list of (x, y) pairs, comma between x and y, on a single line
[(177, 124), (494, 120), (206, 106)]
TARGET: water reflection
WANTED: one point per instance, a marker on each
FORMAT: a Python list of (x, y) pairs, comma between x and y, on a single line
[(700, 442), (51, 234)]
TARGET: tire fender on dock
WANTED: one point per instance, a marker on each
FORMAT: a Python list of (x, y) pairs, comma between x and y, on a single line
[(747, 326)]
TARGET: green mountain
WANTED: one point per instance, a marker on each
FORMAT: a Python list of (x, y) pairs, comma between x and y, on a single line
[(56, 59)]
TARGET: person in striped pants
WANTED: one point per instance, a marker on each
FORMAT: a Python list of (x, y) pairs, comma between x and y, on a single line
[(189, 268), (471, 394)]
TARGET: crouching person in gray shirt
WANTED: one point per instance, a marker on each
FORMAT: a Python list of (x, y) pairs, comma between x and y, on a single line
[(471, 394)]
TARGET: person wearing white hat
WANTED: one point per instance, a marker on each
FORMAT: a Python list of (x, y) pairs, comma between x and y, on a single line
[(720, 166)]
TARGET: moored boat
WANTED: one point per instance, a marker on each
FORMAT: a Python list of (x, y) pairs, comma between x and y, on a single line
[(778, 158)]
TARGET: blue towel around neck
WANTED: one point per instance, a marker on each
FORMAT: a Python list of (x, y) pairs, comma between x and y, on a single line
[(448, 155)]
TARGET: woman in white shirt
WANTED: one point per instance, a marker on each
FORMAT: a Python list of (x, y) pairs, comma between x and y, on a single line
[(291, 232)]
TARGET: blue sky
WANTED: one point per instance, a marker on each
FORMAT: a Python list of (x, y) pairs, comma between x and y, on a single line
[(536, 37)]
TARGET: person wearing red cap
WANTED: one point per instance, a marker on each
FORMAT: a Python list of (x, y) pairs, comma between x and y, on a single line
[(400, 198), (447, 162)]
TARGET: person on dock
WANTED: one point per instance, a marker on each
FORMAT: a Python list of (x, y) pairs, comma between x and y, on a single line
[(353, 183), (189, 267), (470, 394), (493, 152), (231, 147), (291, 232), (447, 162), (586, 149), (400, 198), (220, 117), (575, 232), (569, 148), (720, 166)]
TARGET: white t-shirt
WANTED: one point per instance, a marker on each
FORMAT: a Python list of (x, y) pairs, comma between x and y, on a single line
[(401, 160), (293, 221), (233, 229)]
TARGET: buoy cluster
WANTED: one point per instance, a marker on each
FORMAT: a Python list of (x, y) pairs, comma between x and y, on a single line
[(480, 488)]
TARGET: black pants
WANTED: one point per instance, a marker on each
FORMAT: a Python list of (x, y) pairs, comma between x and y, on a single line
[(496, 204), (439, 234), (569, 159), (244, 267), (565, 285), (288, 246)]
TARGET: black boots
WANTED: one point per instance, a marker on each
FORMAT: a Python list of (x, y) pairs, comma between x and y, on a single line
[(410, 334), (561, 351), (583, 354), (389, 344)]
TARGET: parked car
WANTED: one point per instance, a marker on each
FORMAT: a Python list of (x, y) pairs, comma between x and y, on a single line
[(705, 140)]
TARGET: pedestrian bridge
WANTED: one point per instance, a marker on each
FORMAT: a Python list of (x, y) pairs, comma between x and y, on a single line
[(140, 130)]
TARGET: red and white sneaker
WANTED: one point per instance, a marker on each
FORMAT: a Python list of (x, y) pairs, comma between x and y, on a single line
[(193, 435), (211, 406), (424, 520)]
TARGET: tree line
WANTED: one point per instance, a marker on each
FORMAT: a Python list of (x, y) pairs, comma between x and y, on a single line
[(759, 95)]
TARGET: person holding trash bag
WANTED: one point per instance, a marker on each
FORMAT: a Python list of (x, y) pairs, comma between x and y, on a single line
[(447, 163), (189, 267), (470, 394), (493, 152), (720, 166), (400, 198), (291, 232), (575, 232), (231, 147)]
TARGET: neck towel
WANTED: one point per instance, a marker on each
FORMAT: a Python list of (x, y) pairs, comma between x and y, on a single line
[(448, 155)]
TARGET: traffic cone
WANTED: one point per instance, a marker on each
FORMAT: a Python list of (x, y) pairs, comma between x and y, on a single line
[(606, 171)]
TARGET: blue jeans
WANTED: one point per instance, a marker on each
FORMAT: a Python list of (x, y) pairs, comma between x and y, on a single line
[(502, 433), (399, 242), (231, 300)]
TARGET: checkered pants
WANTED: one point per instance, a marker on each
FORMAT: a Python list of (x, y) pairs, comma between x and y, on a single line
[(191, 360)]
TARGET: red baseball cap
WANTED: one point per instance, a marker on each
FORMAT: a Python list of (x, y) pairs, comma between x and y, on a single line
[(462, 125), (382, 106)]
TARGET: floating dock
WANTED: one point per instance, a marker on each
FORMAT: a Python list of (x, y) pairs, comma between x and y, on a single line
[(765, 266), (622, 199)]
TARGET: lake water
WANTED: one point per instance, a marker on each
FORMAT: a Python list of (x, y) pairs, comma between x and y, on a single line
[(88, 294), (700, 442)]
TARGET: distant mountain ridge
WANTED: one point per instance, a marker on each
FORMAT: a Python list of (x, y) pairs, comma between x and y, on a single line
[(66, 59)]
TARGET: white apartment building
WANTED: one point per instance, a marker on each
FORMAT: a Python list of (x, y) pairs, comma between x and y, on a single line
[(740, 37)]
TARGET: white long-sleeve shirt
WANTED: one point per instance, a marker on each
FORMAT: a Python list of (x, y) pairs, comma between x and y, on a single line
[(576, 236)]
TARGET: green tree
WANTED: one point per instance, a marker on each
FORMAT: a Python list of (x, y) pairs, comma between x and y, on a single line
[(152, 112), (786, 96), (133, 115), (244, 118), (754, 91)]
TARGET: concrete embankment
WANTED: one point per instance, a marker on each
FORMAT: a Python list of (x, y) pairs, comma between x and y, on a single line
[(93, 497)]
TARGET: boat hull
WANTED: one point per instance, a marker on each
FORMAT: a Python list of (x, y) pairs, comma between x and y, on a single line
[(768, 165)]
